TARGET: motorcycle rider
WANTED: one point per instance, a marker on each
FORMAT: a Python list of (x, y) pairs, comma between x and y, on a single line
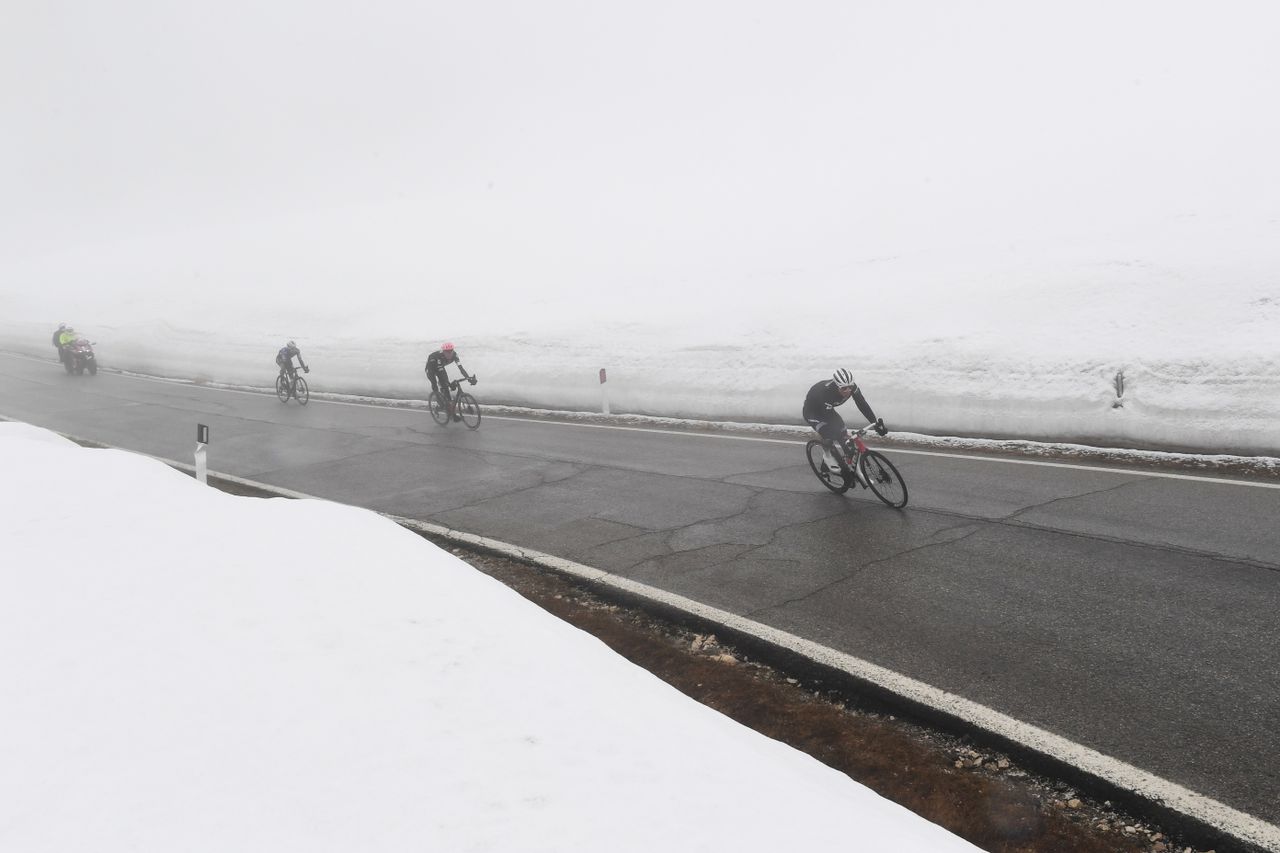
[(435, 370), (57, 341), (66, 338), (284, 358), (820, 412)]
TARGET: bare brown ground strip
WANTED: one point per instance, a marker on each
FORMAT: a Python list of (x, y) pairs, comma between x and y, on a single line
[(979, 795)]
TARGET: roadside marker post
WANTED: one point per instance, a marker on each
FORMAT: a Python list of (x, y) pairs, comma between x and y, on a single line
[(202, 442), (604, 391)]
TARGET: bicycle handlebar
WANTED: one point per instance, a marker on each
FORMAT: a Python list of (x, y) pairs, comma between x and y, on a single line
[(861, 431)]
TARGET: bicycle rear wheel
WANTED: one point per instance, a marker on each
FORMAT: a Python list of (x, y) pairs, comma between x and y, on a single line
[(300, 391), (469, 409), (282, 388), (439, 412), (884, 479), (836, 481)]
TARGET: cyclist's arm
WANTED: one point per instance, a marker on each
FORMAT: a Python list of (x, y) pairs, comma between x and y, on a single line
[(303, 363), (862, 404), (463, 370)]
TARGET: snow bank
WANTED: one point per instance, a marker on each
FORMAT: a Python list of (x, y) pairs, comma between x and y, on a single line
[(1112, 357), (190, 670)]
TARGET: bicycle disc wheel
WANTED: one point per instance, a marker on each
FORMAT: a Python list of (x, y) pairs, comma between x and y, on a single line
[(884, 479), (439, 412), (282, 388), (469, 409), (833, 480), (300, 392)]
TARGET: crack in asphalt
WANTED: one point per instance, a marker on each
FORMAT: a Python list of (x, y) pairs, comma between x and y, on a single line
[(1011, 521), (543, 481), (861, 568), (667, 533), (729, 479), (1013, 516)]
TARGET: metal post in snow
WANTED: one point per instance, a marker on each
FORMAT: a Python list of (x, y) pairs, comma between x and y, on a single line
[(202, 441), (604, 391)]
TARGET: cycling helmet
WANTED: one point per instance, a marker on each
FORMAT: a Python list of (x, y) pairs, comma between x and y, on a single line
[(842, 378), (291, 345), (446, 347)]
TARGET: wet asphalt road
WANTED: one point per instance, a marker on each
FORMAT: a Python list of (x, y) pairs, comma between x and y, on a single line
[(1136, 615)]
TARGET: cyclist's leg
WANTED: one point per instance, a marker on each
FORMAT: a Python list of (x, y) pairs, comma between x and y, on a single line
[(441, 380), (830, 428)]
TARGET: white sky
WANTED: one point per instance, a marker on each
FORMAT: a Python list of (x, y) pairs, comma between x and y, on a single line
[(656, 139)]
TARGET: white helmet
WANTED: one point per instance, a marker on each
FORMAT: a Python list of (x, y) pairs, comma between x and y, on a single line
[(842, 378)]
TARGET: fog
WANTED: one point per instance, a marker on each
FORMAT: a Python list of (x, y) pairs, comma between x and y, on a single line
[(401, 148)]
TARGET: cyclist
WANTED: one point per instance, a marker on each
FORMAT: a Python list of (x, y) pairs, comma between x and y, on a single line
[(284, 358), (820, 412), (435, 369)]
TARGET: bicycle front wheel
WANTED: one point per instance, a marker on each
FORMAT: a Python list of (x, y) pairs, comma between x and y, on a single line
[(300, 391), (439, 411), (470, 410), (282, 388), (833, 480), (884, 479)]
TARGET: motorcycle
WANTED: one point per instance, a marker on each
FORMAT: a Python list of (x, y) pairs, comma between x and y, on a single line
[(79, 357)]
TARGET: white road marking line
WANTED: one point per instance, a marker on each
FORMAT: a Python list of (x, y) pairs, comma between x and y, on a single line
[(1163, 475)]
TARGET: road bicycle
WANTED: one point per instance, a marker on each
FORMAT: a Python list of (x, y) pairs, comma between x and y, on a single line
[(290, 384), (858, 464), (465, 407)]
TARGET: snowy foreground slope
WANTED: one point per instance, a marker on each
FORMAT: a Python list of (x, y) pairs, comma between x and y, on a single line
[(189, 670)]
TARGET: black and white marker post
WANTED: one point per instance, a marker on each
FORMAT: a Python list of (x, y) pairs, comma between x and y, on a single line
[(604, 391), (202, 441)]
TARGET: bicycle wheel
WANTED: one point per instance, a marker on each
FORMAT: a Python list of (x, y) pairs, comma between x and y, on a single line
[(439, 412), (300, 391), (282, 388), (884, 479), (833, 480), (470, 410)]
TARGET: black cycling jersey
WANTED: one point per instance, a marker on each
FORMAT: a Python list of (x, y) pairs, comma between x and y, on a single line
[(825, 396), (284, 357), (435, 370), (820, 409), (438, 361)]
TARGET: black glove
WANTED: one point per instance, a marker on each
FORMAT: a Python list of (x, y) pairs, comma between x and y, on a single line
[(306, 369), (881, 429), (471, 379)]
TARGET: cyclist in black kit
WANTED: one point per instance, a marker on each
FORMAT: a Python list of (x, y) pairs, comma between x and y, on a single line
[(284, 359), (435, 368), (820, 412)]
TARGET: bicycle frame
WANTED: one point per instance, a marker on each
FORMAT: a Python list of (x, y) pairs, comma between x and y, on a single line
[(860, 447)]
